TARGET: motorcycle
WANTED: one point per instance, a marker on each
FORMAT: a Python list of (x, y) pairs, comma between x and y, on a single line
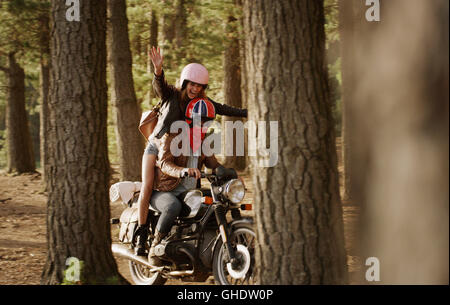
[(203, 241)]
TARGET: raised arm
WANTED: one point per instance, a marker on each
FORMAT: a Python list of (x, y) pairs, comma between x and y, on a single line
[(157, 59), (162, 89)]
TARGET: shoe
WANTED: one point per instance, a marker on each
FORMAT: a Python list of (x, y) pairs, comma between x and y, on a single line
[(152, 258), (141, 240)]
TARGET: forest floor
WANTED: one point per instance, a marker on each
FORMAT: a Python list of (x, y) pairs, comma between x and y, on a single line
[(23, 244)]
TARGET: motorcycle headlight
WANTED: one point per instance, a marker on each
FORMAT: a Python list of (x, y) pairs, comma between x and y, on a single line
[(234, 190)]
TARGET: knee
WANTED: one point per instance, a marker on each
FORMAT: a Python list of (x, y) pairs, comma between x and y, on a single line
[(172, 208)]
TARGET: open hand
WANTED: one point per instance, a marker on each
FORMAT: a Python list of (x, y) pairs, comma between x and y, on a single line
[(157, 59)]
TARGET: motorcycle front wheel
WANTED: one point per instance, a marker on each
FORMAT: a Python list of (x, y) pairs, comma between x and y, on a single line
[(243, 240), (141, 275)]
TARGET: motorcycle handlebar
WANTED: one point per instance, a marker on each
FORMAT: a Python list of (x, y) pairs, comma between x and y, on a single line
[(203, 175), (220, 172)]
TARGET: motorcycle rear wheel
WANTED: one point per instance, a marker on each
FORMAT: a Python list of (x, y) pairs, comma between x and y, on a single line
[(242, 234), (141, 275)]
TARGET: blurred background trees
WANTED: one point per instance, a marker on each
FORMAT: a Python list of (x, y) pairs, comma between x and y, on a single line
[(187, 30), (23, 59), (400, 122)]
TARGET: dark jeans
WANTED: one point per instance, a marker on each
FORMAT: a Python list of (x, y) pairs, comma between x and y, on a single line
[(169, 206)]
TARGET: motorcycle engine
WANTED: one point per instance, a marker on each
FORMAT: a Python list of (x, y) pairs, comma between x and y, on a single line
[(175, 251), (206, 247)]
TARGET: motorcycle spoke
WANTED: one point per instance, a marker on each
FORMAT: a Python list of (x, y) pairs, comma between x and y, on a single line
[(246, 238)]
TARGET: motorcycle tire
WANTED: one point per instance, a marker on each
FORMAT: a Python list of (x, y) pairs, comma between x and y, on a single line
[(141, 276), (244, 235)]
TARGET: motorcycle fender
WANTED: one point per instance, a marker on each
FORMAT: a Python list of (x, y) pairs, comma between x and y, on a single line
[(246, 220), (230, 226)]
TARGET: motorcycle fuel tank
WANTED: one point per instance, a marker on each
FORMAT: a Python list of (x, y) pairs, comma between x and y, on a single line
[(193, 200)]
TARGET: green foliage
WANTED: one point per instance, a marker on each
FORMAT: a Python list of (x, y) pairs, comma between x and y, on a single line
[(331, 21), (334, 59), (204, 42), (20, 33)]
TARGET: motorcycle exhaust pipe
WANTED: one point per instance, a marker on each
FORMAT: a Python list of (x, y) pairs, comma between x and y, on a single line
[(184, 272), (125, 252), (181, 273)]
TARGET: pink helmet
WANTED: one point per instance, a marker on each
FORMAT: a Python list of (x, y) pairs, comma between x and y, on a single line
[(196, 73)]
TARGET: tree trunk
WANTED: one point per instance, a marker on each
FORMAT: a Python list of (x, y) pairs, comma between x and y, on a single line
[(180, 30), (20, 157), (168, 22), (129, 141), (401, 146), (232, 86), (44, 80), (297, 203), (167, 27), (78, 205), (242, 54), (153, 42)]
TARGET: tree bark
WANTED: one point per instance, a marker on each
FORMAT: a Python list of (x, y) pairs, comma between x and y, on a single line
[(232, 86), (44, 80), (78, 205), (401, 146), (153, 42), (130, 144), (297, 202), (20, 156)]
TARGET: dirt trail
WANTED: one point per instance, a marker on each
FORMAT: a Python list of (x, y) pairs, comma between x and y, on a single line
[(23, 243), (23, 231)]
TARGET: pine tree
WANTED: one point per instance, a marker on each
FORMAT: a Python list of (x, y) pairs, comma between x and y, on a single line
[(127, 112), (78, 227), (297, 202)]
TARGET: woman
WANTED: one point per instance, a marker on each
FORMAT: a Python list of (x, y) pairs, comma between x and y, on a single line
[(194, 80)]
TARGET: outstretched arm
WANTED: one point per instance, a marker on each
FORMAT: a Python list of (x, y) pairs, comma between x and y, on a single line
[(229, 111)]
